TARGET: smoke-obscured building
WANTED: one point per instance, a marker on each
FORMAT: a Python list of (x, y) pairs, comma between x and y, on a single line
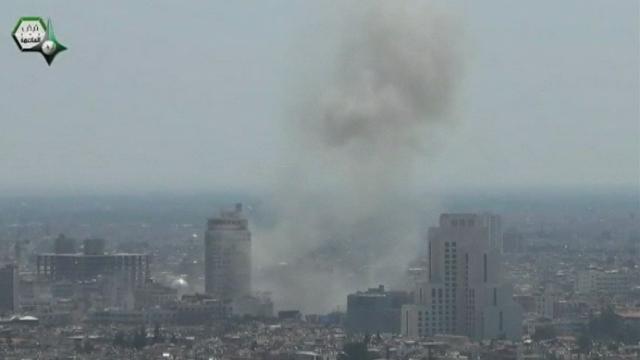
[(154, 294), (228, 255), (375, 310), (64, 245), (463, 292), (255, 306), (8, 289), (93, 246)]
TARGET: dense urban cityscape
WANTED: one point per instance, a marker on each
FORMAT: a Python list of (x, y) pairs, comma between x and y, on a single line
[(482, 287), (320, 180)]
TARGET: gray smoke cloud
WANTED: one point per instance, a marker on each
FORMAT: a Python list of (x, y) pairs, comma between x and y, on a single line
[(345, 218)]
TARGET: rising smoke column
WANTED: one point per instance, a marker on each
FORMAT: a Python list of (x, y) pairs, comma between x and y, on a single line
[(357, 138), (394, 78)]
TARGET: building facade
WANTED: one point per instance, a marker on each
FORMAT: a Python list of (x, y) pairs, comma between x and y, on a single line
[(598, 282), (64, 245), (154, 294), (257, 306), (8, 289), (228, 255), (463, 292), (93, 262), (375, 310)]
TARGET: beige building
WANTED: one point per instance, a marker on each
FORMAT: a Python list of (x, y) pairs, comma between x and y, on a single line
[(463, 292), (228, 255), (595, 281)]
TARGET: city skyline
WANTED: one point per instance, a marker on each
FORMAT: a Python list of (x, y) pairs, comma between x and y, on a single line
[(320, 180)]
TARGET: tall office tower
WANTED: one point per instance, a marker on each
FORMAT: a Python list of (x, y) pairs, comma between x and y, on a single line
[(8, 289), (463, 292), (228, 255), (493, 223)]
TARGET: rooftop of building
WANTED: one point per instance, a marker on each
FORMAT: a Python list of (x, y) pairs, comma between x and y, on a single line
[(229, 219), (91, 255), (233, 213)]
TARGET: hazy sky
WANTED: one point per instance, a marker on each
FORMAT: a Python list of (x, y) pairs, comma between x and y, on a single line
[(191, 96)]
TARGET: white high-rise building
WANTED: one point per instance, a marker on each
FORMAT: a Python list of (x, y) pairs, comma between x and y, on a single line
[(462, 292), (493, 223), (228, 255)]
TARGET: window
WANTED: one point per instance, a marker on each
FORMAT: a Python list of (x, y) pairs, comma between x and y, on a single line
[(485, 267), (495, 297), (430, 262), (406, 320)]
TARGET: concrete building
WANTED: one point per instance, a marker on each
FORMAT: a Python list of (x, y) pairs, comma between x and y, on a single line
[(200, 309), (596, 281), (463, 292), (493, 224), (191, 310), (545, 300), (256, 306), (8, 289), (375, 310), (154, 294), (64, 245), (93, 262), (93, 246), (228, 255)]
